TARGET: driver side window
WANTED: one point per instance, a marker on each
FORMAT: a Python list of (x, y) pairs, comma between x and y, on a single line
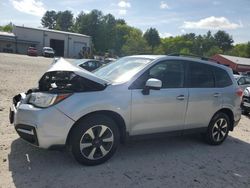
[(170, 72)]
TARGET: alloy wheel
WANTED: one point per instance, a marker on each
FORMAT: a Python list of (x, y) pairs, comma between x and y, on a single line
[(219, 130), (96, 142)]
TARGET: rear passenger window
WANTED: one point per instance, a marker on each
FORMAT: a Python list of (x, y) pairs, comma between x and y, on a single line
[(200, 76), (222, 78)]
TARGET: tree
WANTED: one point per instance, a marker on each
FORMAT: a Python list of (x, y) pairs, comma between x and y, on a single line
[(7, 28), (248, 50), (121, 35), (91, 24), (135, 43), (223, 40), (64, 21), (212, 51), (49, 19), (152, 37), (108, 31), (121, 22)]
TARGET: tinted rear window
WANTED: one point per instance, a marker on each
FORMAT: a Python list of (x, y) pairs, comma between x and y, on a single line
[(200, 76), (222, 78)]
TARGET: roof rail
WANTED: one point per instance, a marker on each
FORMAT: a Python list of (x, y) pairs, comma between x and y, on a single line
[(195, 56)]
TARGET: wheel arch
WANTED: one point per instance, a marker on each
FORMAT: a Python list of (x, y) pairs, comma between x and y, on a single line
[(114, 115), (230, 114)]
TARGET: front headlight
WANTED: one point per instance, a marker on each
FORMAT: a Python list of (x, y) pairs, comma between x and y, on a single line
[(44, 100)]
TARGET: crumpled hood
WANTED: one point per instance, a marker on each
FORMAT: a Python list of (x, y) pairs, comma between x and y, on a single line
[(63, 65)]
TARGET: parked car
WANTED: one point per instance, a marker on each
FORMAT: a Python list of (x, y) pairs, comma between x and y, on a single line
[(245, 106), (88, 64), (48, 52), (243, 81), (246, 73), (91, 112), (32, 51)]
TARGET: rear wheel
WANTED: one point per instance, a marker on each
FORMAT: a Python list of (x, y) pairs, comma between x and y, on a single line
[(218, 129), (94, 140)]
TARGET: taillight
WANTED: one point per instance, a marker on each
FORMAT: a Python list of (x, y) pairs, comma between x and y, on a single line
[(239, 92)]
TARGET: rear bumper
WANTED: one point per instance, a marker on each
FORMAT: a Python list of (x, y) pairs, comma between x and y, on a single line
[(48, 54), (236, 123)]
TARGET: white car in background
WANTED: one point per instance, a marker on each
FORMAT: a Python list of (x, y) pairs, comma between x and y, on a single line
[(48, 52)]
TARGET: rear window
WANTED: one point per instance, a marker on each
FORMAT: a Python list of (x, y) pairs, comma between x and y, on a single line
[(200, 76), (222, 78)]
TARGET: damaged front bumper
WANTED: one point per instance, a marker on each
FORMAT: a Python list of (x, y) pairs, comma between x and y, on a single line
[(42, 127)]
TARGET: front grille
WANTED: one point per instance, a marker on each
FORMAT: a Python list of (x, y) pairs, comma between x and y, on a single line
[(27, 133)]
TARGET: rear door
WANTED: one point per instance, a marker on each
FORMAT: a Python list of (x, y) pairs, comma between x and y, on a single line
[(164, 109), (204, 98)]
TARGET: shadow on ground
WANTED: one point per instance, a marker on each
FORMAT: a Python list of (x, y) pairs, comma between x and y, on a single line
[(164, 162)]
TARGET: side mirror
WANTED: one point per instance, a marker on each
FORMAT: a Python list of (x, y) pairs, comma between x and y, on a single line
[(152, 83)]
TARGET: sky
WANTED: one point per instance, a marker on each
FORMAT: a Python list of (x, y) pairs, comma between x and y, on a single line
[(169, 17)]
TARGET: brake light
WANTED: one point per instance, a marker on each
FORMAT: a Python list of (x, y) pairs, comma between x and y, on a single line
[(239, 92)]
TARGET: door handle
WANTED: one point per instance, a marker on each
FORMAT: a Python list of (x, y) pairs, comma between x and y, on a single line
[(217, 94), (180, 97)]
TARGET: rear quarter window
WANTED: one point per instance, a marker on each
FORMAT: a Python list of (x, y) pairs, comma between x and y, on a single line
[(222, 79), (200, 75)]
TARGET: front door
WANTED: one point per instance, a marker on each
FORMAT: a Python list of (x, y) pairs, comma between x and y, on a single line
[(164, 109)]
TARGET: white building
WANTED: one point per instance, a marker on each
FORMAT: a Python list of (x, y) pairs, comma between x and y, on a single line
[(65, 44)]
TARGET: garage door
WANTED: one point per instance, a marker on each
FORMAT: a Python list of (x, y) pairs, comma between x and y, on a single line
[(78, 48)]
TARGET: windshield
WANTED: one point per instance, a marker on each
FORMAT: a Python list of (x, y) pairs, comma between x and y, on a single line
[(123, 69)]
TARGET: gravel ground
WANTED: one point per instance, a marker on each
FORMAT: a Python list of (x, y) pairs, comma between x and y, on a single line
[(163, 162)]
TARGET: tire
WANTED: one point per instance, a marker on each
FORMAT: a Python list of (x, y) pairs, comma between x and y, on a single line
[(218, 129), (94, 140)]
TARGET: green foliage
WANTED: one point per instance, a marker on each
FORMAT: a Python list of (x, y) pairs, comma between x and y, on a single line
[(241, 50), (152, 37), (121, 35), (7, 28), (223, 40), (49, 19), (135, 43), (213, 50), (62, 20)]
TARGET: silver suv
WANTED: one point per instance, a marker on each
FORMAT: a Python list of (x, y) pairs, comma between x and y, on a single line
[(136, 95)]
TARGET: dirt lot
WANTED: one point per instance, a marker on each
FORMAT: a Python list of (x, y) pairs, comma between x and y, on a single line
[(164, 162)]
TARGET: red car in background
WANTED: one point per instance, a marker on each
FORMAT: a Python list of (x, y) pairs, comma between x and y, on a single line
[(32, 51)]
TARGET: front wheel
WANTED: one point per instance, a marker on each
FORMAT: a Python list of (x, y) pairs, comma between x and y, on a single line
[(218, 129), (94, 140)]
